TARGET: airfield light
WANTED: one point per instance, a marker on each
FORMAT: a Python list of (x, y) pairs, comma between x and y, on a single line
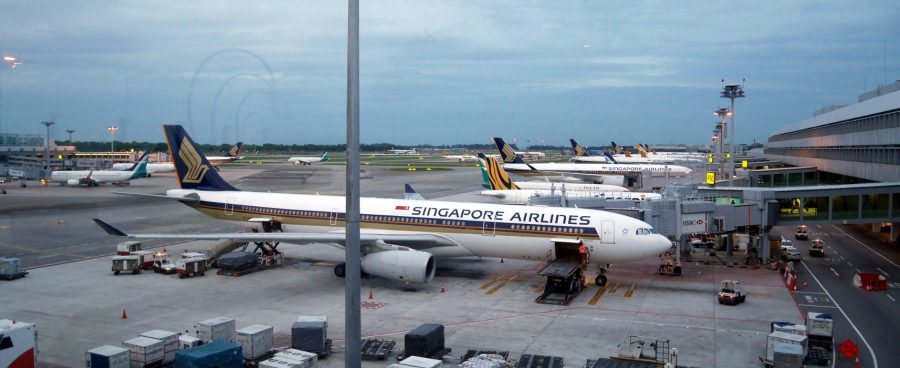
[(112, 137), (47, 147), (732, 92)]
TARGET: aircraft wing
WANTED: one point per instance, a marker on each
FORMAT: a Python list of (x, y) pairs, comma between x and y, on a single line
[(419, 241)]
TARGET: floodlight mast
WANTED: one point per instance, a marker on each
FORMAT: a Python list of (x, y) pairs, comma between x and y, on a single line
[(732, 92)]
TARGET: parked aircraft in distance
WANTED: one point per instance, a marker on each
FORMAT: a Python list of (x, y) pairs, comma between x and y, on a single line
[(308, 160), (92, 178), (234, 154), (152, 167)]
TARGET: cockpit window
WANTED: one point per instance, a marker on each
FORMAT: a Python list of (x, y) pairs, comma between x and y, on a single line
[(643, 231)]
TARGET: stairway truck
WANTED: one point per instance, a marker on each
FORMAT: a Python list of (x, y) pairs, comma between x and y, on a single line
[(18, 344), (187, 267), (126, 264), (820, 330)]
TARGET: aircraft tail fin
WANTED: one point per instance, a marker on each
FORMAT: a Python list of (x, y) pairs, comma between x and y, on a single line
[(485, 180), (496, 176), (411, 194), (641, 150), (191, 166), (615, 147), (578, 149), (134, 166), (610, 157), (236, 150), (324, 157), (506, 152)]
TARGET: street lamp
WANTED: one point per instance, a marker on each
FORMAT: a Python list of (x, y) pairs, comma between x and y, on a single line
[(70, 131), (112, 138), (722, 127), (731, 92), (47, 147)]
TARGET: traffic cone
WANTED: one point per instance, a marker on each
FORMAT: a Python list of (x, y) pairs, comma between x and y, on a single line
[(501, 260), (856, 361), (805, 284), (371, 296), (443, 290), (124, 315)]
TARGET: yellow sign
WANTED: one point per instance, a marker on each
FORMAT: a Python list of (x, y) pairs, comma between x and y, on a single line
[(711, 177), (710, 160), (744, 164), (727, 155)]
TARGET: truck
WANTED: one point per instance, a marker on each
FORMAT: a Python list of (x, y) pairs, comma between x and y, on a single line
[(147, 258), (188, 267), (801, 233), (127, 264), (125, 248), (162, 263), (18, 344), (817, 248), (819, 330)]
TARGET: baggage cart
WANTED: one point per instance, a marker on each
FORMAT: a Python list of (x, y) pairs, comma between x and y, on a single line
[(126, 264), (189, 267)]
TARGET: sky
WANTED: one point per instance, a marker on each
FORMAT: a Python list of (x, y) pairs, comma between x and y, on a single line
[(437, 72)]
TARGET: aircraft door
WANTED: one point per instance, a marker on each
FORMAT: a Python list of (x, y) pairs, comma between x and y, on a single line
[(607, 231), (489, 228), (332, 218), (229, 206)]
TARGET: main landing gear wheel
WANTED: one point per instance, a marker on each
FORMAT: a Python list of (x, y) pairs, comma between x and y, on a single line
[(340, 270), (600, 280)]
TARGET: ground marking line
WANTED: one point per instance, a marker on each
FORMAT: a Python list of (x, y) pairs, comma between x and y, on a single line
[(835, 272), (838, 306), (867, 247), (882, 271), (817, 306), (892, 298)]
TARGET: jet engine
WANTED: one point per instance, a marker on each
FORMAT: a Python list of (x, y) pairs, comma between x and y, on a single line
[(73, 182), (400, 265)]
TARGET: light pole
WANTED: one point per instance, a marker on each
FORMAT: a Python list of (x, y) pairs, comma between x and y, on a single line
[(47, 146), (70, 131), (732, 91), (722, 113), (13, 63), (112, 138)]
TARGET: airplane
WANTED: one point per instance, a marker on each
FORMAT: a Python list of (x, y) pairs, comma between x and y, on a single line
[(582, 155), (234, 154), (505, 190), (460, 158), (494, 177), (400, 238), (393, 151), (514, 164), (684, 156), (308, 160), (152, 167), (92, 178)]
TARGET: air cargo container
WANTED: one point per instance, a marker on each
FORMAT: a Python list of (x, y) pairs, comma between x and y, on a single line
[(216, 329), (308, 360), (217, 354), (144, 351), (170, 342), (107, 356), (310, 333), (256, 340)]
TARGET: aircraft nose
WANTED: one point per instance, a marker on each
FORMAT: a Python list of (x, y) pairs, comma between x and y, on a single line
[(660, 244)]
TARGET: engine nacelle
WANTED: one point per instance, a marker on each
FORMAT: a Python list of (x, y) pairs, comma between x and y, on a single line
[(73, 182), (400, 265), (613, 180)]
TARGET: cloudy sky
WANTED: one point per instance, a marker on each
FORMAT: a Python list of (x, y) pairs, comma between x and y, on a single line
[(439, 72)]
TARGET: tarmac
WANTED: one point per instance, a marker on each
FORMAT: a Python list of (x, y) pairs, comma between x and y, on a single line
[(78, 303)]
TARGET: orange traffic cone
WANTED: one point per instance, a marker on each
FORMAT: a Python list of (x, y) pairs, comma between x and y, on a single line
[(443, 290), (124, 315), (371, 296)]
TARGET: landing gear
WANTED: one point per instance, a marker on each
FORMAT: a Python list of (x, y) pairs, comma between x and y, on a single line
[(340, 270), (600, 280)]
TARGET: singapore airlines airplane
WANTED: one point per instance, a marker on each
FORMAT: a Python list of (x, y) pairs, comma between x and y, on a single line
[(582, 155), (515, 165), (234, 154), (152, 168), (93, 178), (401, 238), (308, 160), (504, 190)]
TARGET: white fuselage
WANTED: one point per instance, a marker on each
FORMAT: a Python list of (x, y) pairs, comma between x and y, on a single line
[(522, 196), (105, 176), (570, 187), (594, 169), (474, 229), (302, 160), (152, 168), (461, 158)]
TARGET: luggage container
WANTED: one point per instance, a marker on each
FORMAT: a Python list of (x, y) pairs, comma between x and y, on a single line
[(420, 362), (783, 338), (238, 261), (787, 356), (170, 342), (147, 258), (187, 267), (107, 356), (820, 327), (310, 333), (186, 342), (788, 327), (426, 340), (144, 351), (311, 359), (255, 340), (126, 264), (125, 248), (279, 362), (217, 354), (216, 329), (9, 269), (18, 343)]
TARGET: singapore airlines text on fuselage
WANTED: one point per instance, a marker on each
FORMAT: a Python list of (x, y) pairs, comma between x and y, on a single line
[(529, 217)]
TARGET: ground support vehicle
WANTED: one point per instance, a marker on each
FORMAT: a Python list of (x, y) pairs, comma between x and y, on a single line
[(731, 294), (127, 264), (189, 267), (565, 275)]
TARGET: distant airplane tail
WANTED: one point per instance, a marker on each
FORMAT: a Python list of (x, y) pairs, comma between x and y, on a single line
[(324, 157), (610, 157), (485, 180), (496, 176), (615, 147), (134, 166), (141, 170), (411, 194), (579, 151), (193, 169), (641, 150), (507, 153), (236, 150)]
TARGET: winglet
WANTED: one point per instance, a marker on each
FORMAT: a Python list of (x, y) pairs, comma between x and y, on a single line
[(109, 228)]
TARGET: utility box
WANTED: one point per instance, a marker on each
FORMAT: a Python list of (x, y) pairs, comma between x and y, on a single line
[(170, 343), (783, 338), (107, 356), (425, 341), (310, 333), (144, 351), (255, 340), (216, 329)]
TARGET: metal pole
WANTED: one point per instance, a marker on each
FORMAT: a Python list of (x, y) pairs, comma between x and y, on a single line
[(731, 148), (352, 328), (47, 146)]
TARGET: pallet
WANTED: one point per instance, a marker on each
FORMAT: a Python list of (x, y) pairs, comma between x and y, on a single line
[(438, 356), (13, 276), (377, 349), (474, 353), (237, 273)]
